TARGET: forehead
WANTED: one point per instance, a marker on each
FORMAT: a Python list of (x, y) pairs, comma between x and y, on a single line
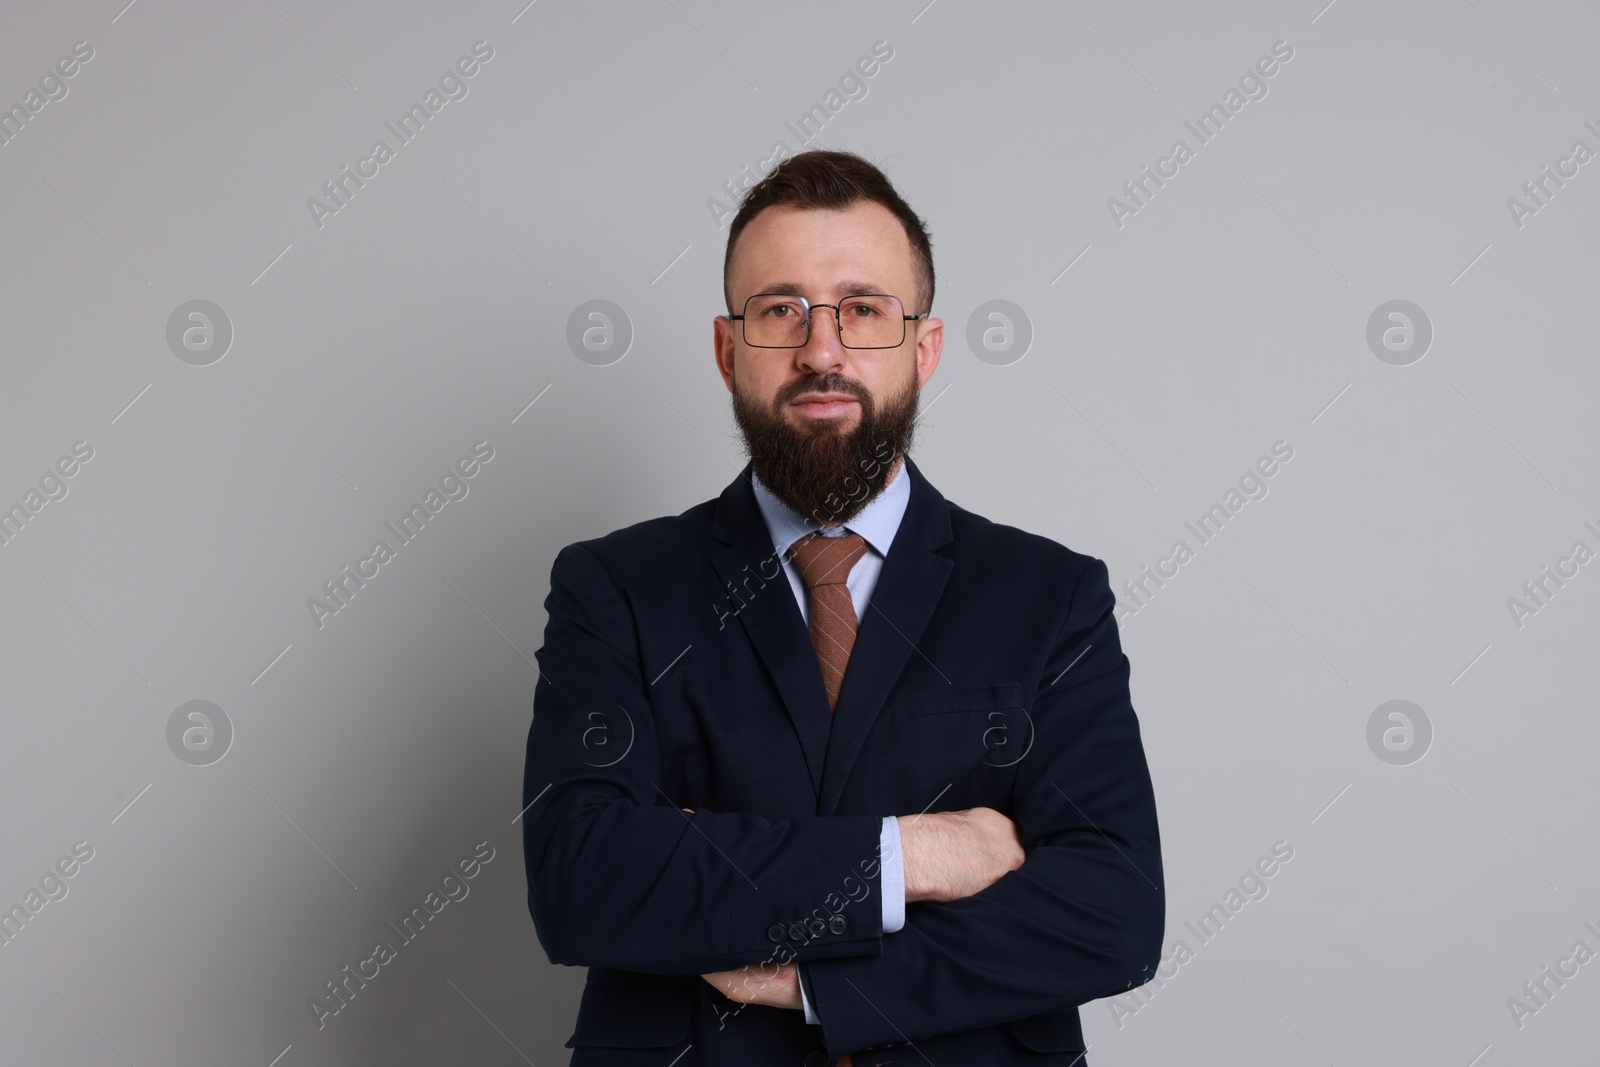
[(821, 250)]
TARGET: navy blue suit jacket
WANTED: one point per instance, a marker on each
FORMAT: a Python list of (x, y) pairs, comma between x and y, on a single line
[(676, 673)]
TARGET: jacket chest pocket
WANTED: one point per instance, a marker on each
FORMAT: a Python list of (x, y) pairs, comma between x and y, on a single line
[(958, 727)]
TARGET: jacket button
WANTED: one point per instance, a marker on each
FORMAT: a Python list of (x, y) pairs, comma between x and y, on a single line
[(836, 924), (797, 931), (816, 927), (776, 932)]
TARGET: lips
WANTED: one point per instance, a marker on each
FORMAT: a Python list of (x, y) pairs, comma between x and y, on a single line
[(825, 405)]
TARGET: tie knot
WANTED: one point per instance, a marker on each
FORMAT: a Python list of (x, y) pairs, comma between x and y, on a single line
[(827, 560)]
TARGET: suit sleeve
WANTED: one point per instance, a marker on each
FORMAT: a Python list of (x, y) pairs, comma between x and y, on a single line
[(618, 875), (1082, 918), (893, 911)]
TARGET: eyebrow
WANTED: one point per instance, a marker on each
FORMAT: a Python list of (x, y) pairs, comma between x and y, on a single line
[(846, 288)]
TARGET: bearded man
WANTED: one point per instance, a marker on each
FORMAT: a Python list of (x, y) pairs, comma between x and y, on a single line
[(829, 770)]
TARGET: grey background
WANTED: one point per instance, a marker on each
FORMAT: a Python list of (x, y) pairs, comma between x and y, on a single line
[(368, 355)]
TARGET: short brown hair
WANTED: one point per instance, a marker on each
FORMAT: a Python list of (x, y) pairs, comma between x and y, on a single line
[(823, 178)]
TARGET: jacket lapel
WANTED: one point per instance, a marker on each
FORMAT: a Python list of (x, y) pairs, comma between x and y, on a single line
[(903, 600), (752, 584)]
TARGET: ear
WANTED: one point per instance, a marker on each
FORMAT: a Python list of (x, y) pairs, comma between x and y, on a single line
[(722, 343), (930, 344)]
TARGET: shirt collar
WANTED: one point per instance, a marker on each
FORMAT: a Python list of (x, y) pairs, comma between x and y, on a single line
[(876, 523)]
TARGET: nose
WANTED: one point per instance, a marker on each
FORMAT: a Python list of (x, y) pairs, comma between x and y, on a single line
[(824, 348)]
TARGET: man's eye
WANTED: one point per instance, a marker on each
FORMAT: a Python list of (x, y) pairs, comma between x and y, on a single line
[(863, 310), (779, 311)]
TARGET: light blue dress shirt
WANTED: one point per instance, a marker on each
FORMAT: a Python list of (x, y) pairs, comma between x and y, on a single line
[(876, 524)]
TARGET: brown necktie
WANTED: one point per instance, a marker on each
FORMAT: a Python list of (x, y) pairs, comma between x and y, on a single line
[(825, 563)]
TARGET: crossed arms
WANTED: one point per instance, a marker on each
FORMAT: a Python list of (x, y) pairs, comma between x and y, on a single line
[(949, 856), (619, 877)]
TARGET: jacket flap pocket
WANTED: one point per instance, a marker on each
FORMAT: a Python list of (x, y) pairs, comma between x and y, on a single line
[(1058, 1031), (956, 698), (633, 1016)]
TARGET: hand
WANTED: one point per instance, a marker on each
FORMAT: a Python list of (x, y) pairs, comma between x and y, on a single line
[(760, 983), (953, 854)]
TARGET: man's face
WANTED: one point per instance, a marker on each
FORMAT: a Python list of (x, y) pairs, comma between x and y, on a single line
[(817, 416)]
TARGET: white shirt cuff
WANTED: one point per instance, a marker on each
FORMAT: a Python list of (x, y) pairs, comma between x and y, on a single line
[(892, 876)]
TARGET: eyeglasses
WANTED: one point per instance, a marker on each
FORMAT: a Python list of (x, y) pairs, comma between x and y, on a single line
[(870, 320)]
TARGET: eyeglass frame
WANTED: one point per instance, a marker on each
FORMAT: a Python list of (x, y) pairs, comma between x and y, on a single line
[(838, 321)]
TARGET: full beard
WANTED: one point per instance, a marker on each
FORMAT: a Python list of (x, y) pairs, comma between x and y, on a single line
[(821, 471)]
